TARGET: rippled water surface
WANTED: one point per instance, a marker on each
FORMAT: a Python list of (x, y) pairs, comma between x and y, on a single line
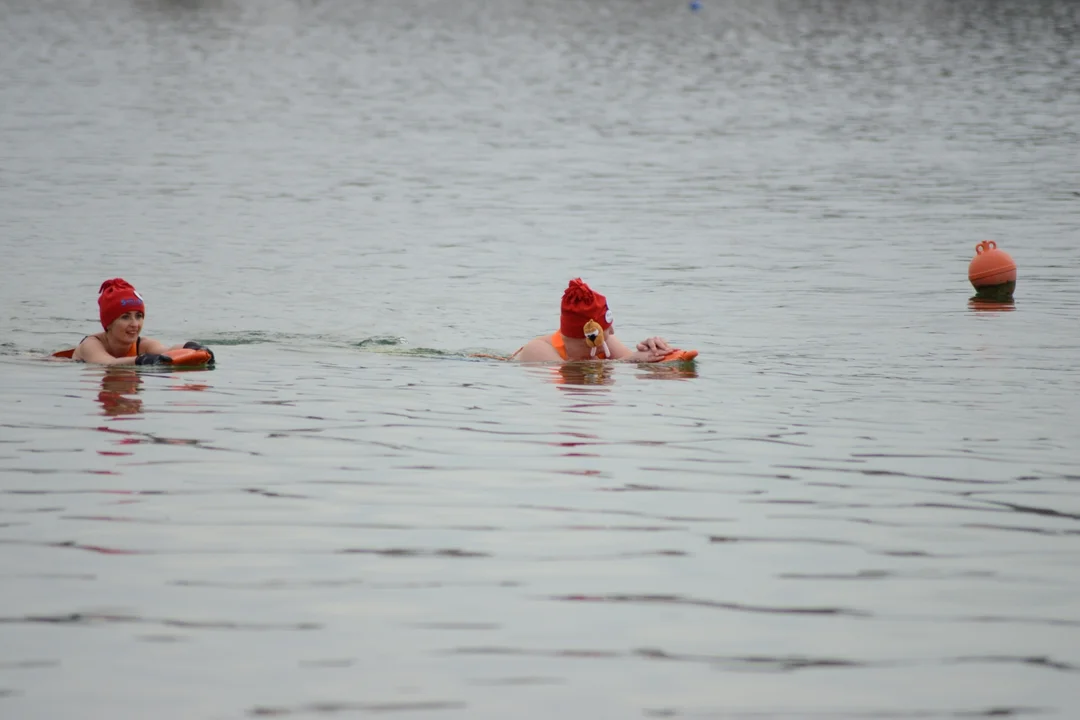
[(861, 502)]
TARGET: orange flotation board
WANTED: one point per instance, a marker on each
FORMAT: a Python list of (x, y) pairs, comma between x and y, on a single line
[(180, 356), (188, 357), (677, 355)]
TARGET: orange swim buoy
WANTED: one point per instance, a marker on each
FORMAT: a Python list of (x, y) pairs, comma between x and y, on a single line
[(180, 356), (992, 271), (188, 357), (677, 355)]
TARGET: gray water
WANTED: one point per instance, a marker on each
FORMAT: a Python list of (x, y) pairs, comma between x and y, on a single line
[(861, 502)]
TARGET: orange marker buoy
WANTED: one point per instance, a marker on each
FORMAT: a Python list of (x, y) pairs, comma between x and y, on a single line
[(992, 272)]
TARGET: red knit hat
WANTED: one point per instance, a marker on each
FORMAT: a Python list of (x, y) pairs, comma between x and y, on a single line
[(580, 304), (118, 297)]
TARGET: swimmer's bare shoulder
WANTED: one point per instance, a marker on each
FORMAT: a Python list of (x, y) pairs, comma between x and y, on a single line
[(539, 349)]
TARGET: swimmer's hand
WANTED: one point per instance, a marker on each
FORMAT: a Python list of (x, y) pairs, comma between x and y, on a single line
[(647, 356), (654, 343), (153, 359), (192, 345)]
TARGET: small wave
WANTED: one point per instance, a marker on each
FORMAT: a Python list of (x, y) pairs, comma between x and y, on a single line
[(377, 341), (350, 707)]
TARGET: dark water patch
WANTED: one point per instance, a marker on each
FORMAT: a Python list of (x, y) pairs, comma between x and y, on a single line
[(271, 494), (331, 708), (642, 487), (70, 544), (856, 520), (1034, 510), (694, 602), (438, 584), (1022, 529), (524, 652), (630, 513), (747, 663), (927, 574), (52, 451), (415, 552), (28, 664), (782, 501), (613, 556), (757, 663), (894, 473), (795, 540), (619, 528), (860, 575), (774, 440), (162, 638), (710, 472), (388, 552), (362, 483), (36, 511), (5, 693), (982, 508), (92, 618), (1015, 620), (998, 712), (1036, 661)]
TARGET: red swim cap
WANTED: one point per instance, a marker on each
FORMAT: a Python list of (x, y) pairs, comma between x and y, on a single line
[(118, 297), (580, 305)]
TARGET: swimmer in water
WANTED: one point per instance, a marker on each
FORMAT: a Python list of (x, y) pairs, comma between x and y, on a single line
[(122, 312), (586, 332)]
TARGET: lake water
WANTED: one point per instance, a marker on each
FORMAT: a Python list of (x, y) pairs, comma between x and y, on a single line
[(863, 500)]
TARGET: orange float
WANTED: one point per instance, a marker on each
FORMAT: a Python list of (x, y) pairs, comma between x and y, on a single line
[(182, 357), (992, 272), (188, 357), (679, 356)]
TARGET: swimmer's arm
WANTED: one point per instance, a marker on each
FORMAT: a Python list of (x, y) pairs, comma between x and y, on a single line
[(538, 350), (92, 351), (647, 351)]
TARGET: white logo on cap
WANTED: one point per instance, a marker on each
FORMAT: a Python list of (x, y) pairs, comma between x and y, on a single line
[(607, 316)]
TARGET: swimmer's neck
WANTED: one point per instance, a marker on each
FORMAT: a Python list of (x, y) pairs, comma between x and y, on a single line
[(116, 348)]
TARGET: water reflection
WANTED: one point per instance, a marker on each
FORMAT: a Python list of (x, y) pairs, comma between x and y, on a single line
[(677, 371), (980, 304), (603, 373), (118, 385), (583, 373)]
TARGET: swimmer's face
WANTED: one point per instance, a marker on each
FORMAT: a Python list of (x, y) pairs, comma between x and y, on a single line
[(127, 327)]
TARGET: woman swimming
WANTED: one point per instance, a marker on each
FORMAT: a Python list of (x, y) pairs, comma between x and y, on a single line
[(586, 333), (122, 312)]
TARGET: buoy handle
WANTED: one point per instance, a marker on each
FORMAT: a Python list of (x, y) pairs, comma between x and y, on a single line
[(985, 246)]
